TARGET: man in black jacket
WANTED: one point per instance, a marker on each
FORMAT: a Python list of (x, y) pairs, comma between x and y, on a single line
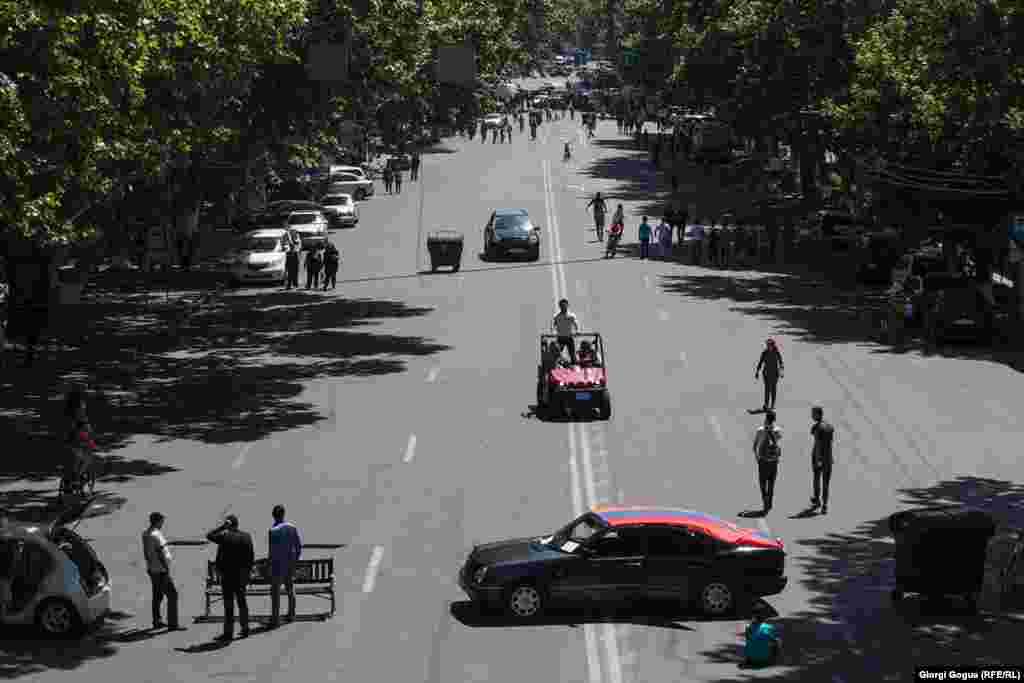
[(235, 558)]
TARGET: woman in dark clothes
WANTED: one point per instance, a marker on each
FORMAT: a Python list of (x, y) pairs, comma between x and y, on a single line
[(771, 367)]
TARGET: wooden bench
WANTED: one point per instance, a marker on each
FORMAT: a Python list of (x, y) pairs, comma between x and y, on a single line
[(312, 577)]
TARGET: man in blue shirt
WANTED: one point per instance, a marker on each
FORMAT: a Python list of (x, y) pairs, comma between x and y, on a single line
[(645, 238), (763, 642), (285, 551)]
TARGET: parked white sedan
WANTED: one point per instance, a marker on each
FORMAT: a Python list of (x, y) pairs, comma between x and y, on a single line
[(311, 226), (359, 187), (340, 210), (259, 257)]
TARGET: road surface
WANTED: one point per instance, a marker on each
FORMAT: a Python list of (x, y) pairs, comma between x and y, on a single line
[(394, 416)]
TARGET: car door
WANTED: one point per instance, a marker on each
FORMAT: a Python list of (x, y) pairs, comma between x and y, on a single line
[(668, 569), (617, 562)]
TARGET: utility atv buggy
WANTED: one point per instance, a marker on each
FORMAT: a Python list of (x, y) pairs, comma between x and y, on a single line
[(567, 388)]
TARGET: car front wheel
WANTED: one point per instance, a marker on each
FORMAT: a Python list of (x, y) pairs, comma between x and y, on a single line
[(717, 598), (57, 618), (360, 195), (525, 601)]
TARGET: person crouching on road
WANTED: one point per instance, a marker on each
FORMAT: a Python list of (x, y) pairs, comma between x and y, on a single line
[(768, 452), (285, 550), (314, 262), (565, 325), (332, 260), (763, 644)]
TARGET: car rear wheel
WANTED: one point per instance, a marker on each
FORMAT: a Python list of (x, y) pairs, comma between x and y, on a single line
[(58, 618), (717, 598), (525, 601)]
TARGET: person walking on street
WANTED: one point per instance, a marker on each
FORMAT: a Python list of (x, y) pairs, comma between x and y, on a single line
[(398, 181), (235, 558), (600, 209), (415, 167), (285, 550), (388, 178), (821, 458), (314, 262), (767, 452), (332, 260), (565, 324), (644, 233), (771, 367), (508, 132), (158, 566), (291, 266)]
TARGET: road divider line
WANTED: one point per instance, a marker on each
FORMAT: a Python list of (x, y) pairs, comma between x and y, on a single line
[(716, 426), (647, 281), (432, 375), (682, 358), (410, 449), (240, 460), (611, 644), (588, 468), (373, 568)]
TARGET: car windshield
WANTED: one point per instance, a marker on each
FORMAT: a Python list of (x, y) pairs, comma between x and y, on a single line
[(337, 200), (260, 244), (517, 223), (301, 218)]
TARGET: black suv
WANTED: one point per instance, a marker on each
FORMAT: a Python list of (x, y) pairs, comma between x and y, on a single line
[(628, 553)]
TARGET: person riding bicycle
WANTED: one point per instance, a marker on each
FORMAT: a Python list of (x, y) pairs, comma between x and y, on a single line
[(79, 438), (620, 217), (600, 208)]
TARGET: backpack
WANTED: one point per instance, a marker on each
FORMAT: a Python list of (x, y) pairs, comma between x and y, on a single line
[(770, 451)]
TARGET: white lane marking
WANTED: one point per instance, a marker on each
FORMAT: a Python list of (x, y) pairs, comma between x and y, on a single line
[(588, 467), (611, 644), (240, 460), (548, 212), (647, 281), (410, 449), (372, 568), (716, 426), (576, 187), (589, 631), (432, 375), (662, 315), (682, 358), (581, 288)]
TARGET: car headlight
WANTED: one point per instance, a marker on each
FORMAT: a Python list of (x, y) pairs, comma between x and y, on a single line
[(479, 575)]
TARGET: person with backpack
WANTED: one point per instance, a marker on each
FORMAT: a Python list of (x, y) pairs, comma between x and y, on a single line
[(767, 452), (389, 177), (314, 262)]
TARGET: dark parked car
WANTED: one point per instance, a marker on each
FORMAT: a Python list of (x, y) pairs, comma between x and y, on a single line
[(954, 309), (628, 553), (509, 231)]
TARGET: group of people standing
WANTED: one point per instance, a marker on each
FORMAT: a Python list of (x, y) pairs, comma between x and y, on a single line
[(768, 452), (322, 263), (234, 562), (393, 175)]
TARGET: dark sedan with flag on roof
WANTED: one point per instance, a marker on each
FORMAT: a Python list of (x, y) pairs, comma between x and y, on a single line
[(615, 553)]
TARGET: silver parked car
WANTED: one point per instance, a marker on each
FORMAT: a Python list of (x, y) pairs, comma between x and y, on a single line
[(311, 226), (340, 210)]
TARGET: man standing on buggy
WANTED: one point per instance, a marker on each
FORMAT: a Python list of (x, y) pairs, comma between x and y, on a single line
[(565, 325)]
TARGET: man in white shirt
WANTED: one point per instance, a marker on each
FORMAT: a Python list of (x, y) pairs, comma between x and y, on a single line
[(565, 325), (158, 566)]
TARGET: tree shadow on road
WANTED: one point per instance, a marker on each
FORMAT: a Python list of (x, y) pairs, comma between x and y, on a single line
[(851, 626), (232, 370), (812, 308), (23, 652)]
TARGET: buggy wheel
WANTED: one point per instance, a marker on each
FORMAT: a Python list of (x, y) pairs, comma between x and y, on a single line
[(433, 268), (897, 595), (971, 600), (540, 395), (455, 268), (604, 409)]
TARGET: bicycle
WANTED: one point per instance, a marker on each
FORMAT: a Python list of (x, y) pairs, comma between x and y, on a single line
[(77, 478)]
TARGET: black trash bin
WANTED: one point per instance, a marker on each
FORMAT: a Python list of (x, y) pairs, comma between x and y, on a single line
[(445, 249), (941, 551)]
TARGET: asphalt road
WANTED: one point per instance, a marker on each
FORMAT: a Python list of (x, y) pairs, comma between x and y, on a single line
[(411, 438)]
